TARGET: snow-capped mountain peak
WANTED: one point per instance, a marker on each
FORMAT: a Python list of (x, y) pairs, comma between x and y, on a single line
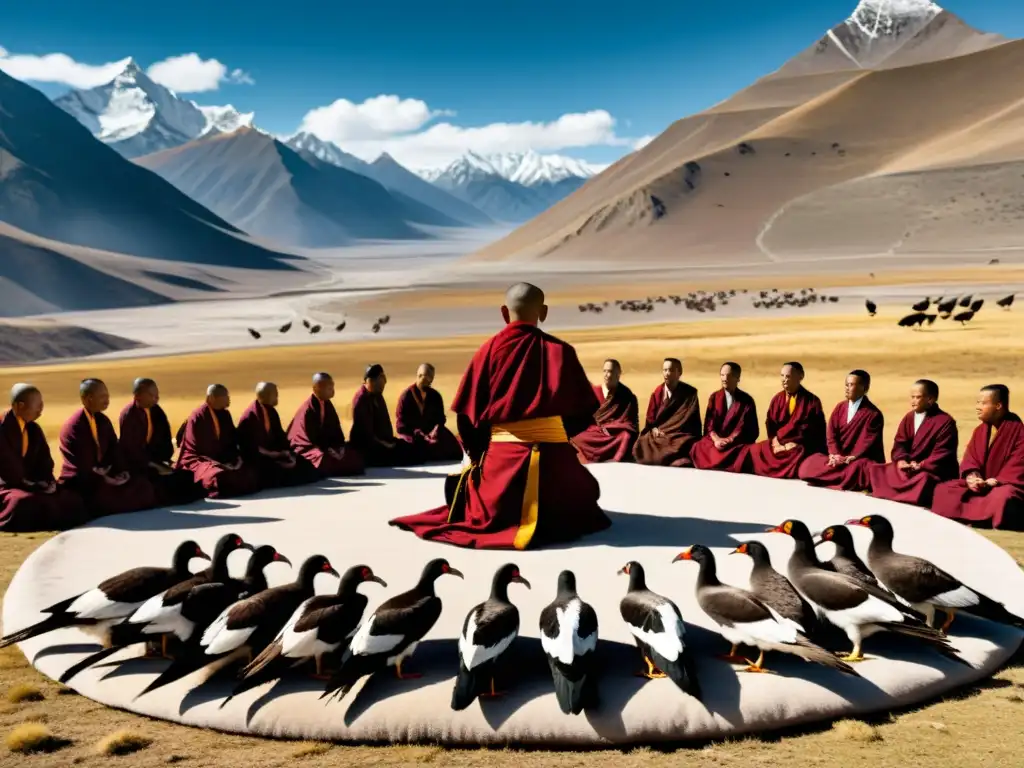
[(225, 119), (327, 151), (879, 18), (527, 168)]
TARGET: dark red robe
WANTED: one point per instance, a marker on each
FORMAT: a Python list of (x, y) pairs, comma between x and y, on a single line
[(259, 426), (1002, 506), (371, 421), (137, 452), (805, 427), (616, 429), (420, 419), (520, 374), (934, 447), (204, 452), (317, 428), (738, 422), (82, 452), (678, 419), (23, 508), (862, 438)]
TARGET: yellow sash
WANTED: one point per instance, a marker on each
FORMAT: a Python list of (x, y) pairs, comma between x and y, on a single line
[(24, 437), (216, 423), (792, 404), (992, 436), (95, 434), (149, 426)]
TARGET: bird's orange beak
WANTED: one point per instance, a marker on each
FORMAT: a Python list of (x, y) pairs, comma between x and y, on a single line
[(863, 522), (740, 550), (775, 529), (624, 570), (684, 555)]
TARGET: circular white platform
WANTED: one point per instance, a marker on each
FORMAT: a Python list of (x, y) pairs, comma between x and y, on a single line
[(655, 512)]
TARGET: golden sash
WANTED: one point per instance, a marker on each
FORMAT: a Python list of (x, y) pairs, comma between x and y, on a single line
[(216, 423), (24, 437), (95, 434), (992, 435), (792, 404), (149, 426)]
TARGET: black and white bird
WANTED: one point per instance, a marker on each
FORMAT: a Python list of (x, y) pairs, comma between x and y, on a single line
[(846, 560), (657, 627), (113, 600), (392, 632), (488, 631), (568, 635)]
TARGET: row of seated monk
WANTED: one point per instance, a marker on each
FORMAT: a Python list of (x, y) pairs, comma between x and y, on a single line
[(844, 452), (103, 473)]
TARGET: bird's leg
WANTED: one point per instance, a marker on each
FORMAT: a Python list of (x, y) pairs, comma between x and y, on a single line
[(163, 647), (854, 656), (407, 675), (733, 656), (950, 615), (652, 672), (493, 694), (318, 674), (758, 666)]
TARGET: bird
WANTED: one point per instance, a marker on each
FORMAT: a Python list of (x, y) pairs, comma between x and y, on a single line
[(1007, 302), (745, 620), (966, 301), (321, 625), (657, 627), (871, 307), (285, 328), (254, 333), (964, 317), (977, 304), (775, 590), (913, 320), (392, 632), (340, 326), (846, 560), (376, 327), (568, 636), (385, 320), (113, 599), (859, 609), (306, 324), (315, 329), (488, 631), (948, 306), (921, 306), (923, 584)]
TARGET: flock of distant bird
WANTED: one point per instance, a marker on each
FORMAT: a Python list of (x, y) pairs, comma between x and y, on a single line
[(944, 308), (213, 617), (315, 328), (709, 301)]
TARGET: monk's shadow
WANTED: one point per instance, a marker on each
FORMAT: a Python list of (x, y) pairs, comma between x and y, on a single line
[(302, 491), (177, 520), (402, 473), (639, 530)]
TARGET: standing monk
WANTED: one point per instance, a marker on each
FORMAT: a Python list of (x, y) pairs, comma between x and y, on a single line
[(923, 453), (93, 465), (521, 399), (209, 449), (672, 426), (146, 448), (854, 440), (316, 435), (795, 425), (372, 434), (263, 444), (617, 421), (30, 499), (991, 490), (730, 425), (420, 419)]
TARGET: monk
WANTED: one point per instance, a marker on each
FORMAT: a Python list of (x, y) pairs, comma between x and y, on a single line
[(316, 435), (991, 489), (146, 448), (263, 444), (522, 398), (420, 419), (672, 426), (796, 429), (617, 420), (93, 465), (372, 434), (209, 449), (923, 452), (30, 499), (730, 425), (854, 440)]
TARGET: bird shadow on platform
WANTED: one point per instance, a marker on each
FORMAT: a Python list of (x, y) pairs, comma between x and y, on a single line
[(639, 530), (63, 649)]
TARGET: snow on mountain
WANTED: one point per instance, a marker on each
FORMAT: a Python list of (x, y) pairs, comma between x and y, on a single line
[(225, 119), (875, 18), (527, 168), (328, 152)]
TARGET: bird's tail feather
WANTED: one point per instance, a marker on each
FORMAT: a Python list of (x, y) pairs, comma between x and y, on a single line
[(88, 661), (469, 683), (993, 611), (49, 624), (268, 656), (190, 661), (808, 651), (268, 666), (574, 693), (932, 637)]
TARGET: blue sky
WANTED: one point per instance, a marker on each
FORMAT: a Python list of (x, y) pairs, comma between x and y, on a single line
[(626, 70)]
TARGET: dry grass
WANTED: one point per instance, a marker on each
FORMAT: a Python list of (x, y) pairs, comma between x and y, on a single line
[(856, 730), (122, 742), (311, 748), (18, 694), (33, 737)]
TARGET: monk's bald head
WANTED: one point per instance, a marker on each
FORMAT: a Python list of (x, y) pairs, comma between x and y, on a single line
[(266, 393), (145, 392), (524, 303), (424, 376), (323, 385), (94, 394), (374, 378), (218, 397), (26, 402)]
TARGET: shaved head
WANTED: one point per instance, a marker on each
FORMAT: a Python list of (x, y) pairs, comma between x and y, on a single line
[(145, 392), (323, 386), (216, 390), (90, 386), (26, 402), (22, 392), (266, 393), (218, 397), (424, 376), (140, 384), (524, 303)]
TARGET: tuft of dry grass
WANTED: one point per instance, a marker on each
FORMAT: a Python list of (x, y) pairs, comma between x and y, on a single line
[(33, 737), (856, 730), (122, 742), (24, 692), (311, 748)]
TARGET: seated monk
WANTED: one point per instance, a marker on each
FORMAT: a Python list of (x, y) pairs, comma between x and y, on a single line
[(991, 488), (730, 425), (30, 499), (93, 465), (372, 434), (316, 435), (854, 440), (672, 426), (146, 448), (522, 398), (263, 444), (923, 453), (420, 419), (617, 421), (209, 449), (795, 426)]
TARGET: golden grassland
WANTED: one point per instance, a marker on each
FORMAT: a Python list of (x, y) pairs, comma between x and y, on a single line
[(980, 725)]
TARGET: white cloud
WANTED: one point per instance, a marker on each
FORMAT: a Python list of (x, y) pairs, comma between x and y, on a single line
[(190, 74), (380, 117), (643, 141)]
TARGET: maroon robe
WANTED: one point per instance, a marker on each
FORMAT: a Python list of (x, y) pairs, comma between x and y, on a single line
[(371, 421), (317, 428), (204, 452), (82, 452), (520, 374), (805, 427), (738, 422), (420, 419), (678, 419), (24, 508), (933, 447), (1002, 506), (137, 453), (618, 424), (259, 426), (862, 438)]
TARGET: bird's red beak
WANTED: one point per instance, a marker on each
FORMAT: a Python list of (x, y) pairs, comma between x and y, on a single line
[(775, 529), (682, 556), (740, 550), (857, 521)]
